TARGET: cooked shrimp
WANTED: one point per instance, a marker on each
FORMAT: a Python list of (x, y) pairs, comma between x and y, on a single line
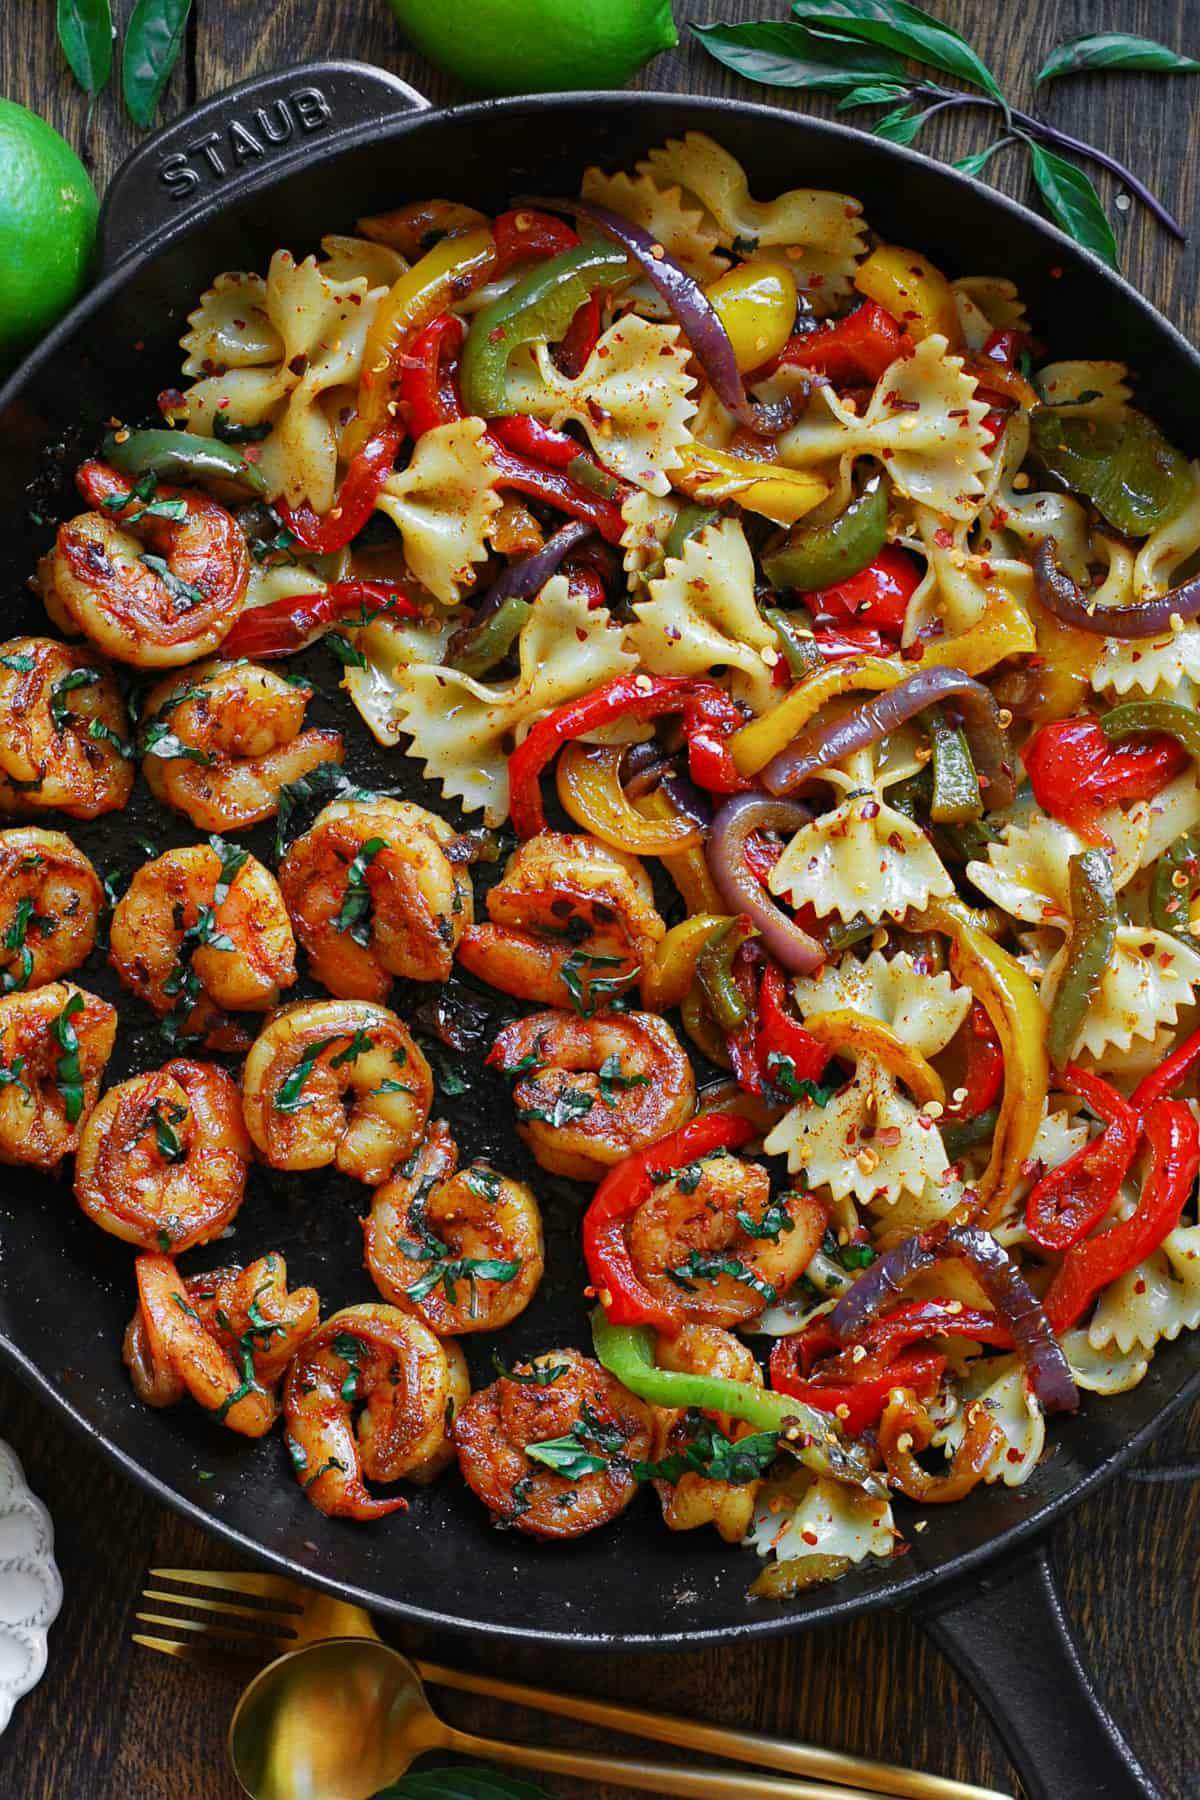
[(305, 1063), (225, 1338), (162, 1160), (156, 588), (462, 1248), (406, 1386), (694, 1500), (201, 932), (559, 1395), (691, 1244), (220, 743), (572, 923), (590, 1091), (50, 900), (64, 732), (373, 894), (54, 1046)]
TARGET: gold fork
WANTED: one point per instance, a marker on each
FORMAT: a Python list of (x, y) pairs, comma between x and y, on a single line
[(290, 1615)]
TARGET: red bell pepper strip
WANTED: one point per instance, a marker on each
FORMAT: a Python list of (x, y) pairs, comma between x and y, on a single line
[(1174, 1140), (856, 1403), (877, 596), (856, 349), (709, 721), (915, 1320), (1168, 1075), (556, 488), (853, 640), (428, 394), (1076, 773), (586, 582), (983, 1076), (782, 1036), (525, 235), (624, 697), (285, 625), (572, 351), (1069, 1201), (529, 437), (355, 501), (626, 1301)]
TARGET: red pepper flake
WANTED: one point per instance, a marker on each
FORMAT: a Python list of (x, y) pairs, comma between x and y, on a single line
[(810, 1537), (1014, 1456), (943, 537)]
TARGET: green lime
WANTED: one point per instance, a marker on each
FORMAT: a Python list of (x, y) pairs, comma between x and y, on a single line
[(48, 210), (536, 46)]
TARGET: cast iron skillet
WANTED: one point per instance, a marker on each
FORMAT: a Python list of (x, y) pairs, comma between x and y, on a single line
[(281, 160)]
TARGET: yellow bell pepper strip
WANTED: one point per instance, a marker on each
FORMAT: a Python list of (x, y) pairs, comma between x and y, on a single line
[(688, 869), (1004, 630), (671, 969), (588, 778), (1066, 660), (1089, 950), (776, 492), (1011, 1002), (627, 1351), (851, 1034), (758, 743), (756, 303), (909, 286), (448, 272)]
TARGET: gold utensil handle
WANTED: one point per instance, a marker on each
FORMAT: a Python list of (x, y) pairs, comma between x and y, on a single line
[(633, 1772), (713, 1740)]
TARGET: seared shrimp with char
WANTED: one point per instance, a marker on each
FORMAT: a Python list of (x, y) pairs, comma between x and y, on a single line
[(54, 1047), (373, 894), (155, 582), (695, 1499), (64, 732), (371, 1394), (220, 742), (462, 1248), (336, 1081), (571, 922), (162, 1160), (50, 900)]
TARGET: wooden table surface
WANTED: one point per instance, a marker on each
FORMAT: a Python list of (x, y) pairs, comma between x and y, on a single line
[(110, 1719)]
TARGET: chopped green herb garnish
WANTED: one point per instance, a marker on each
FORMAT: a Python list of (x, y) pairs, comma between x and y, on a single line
[(10, 1075), (569, 1104), (183, 593), (354, 914), (351, 1350), (589, 991), (289, 1096), (781, 1073), (612, 1080), (714, 1456), (229, 431), (100, 733), (60, 712), (159, 740), (538, 1374), (348, 654), (22, 664), (326, 779), (69, 1079), (485, 1183), (164, 1116), (776, 1219), (704, 1265)]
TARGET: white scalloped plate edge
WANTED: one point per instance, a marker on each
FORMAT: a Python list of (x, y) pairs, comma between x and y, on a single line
[(30, 1584)]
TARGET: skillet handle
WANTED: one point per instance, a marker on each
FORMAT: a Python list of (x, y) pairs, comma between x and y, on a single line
[(230, 141), (1007, 1635)]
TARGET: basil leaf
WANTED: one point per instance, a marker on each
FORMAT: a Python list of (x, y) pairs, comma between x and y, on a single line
[(153, 40), (1113, 50), (85, 32), (183, 593), (895, 25), (1073, 203), (21, 664), (60, 712), (354, 914), (228, 431), (567, 1457), (461, 1784), (900, 126), (785, 54), (348, 654), (978, 161), (69, 1078), (883, 94)]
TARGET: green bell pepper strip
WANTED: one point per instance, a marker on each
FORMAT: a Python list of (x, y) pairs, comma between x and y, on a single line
[(689, 522), (1171, 899), (970, 1133), (1093, 929), (819, 556), (714, 973), (1167, 716), (1131, 473), (799, 648), (590, 475), (627, 1351), (182, 456), (483, 649), (539, 308), (956, 798)]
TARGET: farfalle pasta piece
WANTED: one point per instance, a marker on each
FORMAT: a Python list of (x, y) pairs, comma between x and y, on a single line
[(997, 298), (820, 233), (1013, 520), (442, 505), (701, 615), (631, 397), (959, 586), (1148, 977), (1168, 667), (390, 648), (805, 1515), (348, 258), (997, 1383), (1107, 1371), (923, 422), (463, 730), (662, 211), (1083, 386), (648, 521), (1154, 1301), (285, 352), (923, 1010), (869, 1141), (864, 857), (1027, 870)]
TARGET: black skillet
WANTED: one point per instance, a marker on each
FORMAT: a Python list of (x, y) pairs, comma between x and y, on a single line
[(279, 161)]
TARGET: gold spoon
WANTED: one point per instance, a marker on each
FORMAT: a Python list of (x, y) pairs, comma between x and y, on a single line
[(340, 1719)]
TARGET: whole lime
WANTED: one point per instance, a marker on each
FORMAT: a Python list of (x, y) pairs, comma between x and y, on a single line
[(536, 46), (48, 210)]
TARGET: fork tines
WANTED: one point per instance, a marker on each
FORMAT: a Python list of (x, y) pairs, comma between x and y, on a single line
[(260, 1630)]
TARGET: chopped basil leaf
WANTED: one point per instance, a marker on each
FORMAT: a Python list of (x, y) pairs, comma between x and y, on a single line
[(705, 1265), (183, 593), (22, 664), (611, 1079), (100, 733), (538, 1374), (776, 1219), (348, 654), (229, 431), (60, 712), (714, 1456), (589, 991), (69, 1079), (354, 914)]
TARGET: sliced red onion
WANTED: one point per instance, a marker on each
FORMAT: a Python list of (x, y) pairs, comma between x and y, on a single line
[(740, 889), (1046, 1367), (1139, 619), (528, 576), (820, 745), (687, 798), (880, 1283)]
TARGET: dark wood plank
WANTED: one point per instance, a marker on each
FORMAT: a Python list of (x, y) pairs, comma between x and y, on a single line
[(111, 1719)]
